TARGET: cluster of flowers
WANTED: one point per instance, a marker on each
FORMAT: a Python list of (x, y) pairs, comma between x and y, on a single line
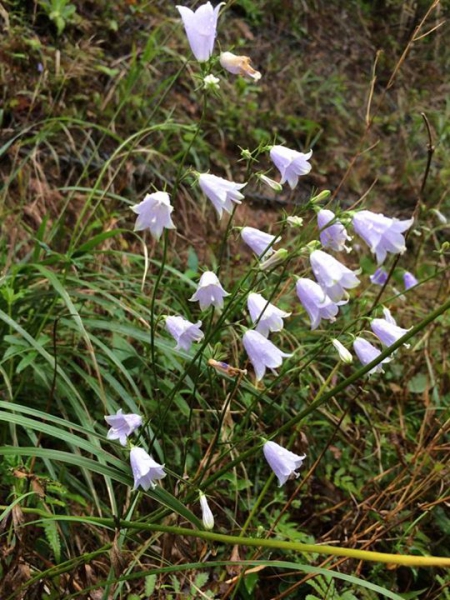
[(146, 471)]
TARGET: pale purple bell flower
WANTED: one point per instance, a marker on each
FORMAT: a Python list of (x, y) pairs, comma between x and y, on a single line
[(200, 27), (409, 280), (207, 516), (333, 276), (387, 331), (262, 353), (332, 236), (316, 302), (221, 192), (122, 425), (290, 163), (283, 463), (184, 332), (154, 214), (259, 241), (382, 234), (209, 291), (366, 353), (379, 277), (145, 470), (269, 317)]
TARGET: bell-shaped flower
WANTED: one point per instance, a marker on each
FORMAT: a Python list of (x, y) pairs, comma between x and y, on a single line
[(283, 463), (200, 27), (207, 516), (332, 236), (316, 302), (379, 277), (238, 65), (145, 470), (184, 332), (387, 331), (122, 426), (382, 234), (262, 353), (366, 353), (221, 192), (344, 354), (154, 214), (260, 242), (290, 163), (332, 275), (269, 317), (209, 291), (409, 280)]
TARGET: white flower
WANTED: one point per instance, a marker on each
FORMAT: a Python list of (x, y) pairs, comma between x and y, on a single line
[(262, 353), (290, 163), (332, 236), (184, 332), (221, 192), (122, 426), (269, 317), (200, 27), (145, 470), (332, 275), (211, 83), (295, 221), (207, 516), (344, 354), (238, 65), (283, 463), (260, 242), (154, 214), (209, 291)]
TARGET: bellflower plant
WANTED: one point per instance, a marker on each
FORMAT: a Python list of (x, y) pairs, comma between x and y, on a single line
[(387, 331), (200, 27), (283, 463), (145, 470), (122, 426), (221, 192), (262, 353), (379, 277), (259, 241), (209, 291), (316, 302), (332, 236), (154, 214), (184, 332), (366, 353), (269, 317), (409, 280), (333, 276), (238, 65), (382, 234), (290, 163), (207, 516), (344, 354)]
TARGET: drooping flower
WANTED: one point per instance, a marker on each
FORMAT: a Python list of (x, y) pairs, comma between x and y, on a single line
[(238, 65), (221, 192), (283, 463), (154, 214), (184, 332), (259, 241), (316, 302), (332, 275), (209, 291), (387, 331), (344, 354), (332, 236), (200, 27), (145, 470), (409, 280), (262, 353), (269, 317), (379, 277), (366, 353), (122, 426), (207, 516), (382, 234), (290, 163)]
